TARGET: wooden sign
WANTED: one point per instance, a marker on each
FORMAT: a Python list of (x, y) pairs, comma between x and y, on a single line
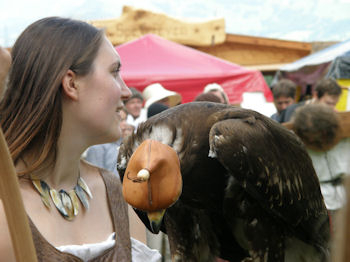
[(134, 23)]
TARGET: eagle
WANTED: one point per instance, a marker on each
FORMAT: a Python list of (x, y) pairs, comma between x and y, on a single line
[(249, 189)]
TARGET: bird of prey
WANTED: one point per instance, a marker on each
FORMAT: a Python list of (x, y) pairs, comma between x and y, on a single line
[(250, 192)]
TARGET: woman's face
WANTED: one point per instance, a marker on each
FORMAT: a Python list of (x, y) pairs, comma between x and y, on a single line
[(101, 96), (165, 101)]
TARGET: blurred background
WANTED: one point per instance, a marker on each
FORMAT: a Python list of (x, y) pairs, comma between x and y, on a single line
[(266, 36)]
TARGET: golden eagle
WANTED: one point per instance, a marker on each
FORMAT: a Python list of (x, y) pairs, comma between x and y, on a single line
[(250, 192)]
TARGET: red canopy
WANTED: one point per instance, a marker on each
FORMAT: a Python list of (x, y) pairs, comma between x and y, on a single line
[(152, 59)]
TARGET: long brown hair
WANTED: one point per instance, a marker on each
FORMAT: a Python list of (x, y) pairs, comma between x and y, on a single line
[(30, 112)]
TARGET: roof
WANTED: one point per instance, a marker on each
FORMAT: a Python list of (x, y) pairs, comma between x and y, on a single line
[(152, 59), (324, 56)]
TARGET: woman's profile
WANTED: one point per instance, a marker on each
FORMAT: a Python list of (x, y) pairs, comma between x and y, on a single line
[(65, 94)]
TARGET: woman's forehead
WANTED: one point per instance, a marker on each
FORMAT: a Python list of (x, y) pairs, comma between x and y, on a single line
[(107, 53)]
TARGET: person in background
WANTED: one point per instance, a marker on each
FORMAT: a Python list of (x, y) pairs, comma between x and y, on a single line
[(210, 97), (64, 94), (134, 107), (327, 91), (318, 127), (156, 93), (283, 96), (5, 63), (155, 108), (217, 90), (127, 129)]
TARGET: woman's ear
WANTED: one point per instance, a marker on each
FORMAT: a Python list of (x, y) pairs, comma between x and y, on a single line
[(69, 85)]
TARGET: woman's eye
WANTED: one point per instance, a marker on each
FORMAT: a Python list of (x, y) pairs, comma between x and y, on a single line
[(116, 72)]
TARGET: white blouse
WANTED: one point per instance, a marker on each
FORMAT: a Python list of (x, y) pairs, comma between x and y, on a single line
[(329, 165), (139, 251)]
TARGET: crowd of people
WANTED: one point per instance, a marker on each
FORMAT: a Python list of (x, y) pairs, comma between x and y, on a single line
[(315, 121), (65, 99)]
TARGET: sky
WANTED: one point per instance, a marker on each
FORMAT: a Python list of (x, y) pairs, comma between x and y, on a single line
[(297, 20)]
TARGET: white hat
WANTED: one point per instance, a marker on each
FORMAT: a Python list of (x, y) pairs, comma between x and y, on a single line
[(216, 87), (212, 87), (156, 92)]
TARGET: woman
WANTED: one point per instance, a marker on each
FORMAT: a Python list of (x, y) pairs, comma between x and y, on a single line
[(65, 94)]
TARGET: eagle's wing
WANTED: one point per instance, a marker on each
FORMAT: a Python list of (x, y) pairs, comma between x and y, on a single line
[(271, 165)]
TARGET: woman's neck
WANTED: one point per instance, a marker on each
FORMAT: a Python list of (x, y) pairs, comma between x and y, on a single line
[(63, 174)]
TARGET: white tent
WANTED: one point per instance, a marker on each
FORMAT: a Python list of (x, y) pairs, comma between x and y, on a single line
[(324, 56)]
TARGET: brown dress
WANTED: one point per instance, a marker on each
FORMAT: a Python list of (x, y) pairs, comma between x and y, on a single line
[(120, 252)]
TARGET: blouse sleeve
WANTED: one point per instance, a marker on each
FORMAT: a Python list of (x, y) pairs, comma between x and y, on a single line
[(140, 252)]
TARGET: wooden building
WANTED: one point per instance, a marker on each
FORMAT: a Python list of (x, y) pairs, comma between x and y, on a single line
[(264, 54)]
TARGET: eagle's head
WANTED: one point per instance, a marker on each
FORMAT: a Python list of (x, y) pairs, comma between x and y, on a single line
[(152, 180)]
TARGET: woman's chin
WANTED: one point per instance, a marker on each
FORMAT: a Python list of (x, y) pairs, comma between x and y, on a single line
[(117, 134), (113, 136)]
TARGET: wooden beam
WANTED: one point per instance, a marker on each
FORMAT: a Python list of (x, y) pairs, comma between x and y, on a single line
[(265, 67), (17, 220), (249, 55), (263, 41)]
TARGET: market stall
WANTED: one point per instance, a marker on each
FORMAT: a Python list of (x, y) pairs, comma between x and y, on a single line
[(152, 59)]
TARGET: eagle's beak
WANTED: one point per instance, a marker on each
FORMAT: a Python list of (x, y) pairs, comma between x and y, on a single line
[(155, 218)]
